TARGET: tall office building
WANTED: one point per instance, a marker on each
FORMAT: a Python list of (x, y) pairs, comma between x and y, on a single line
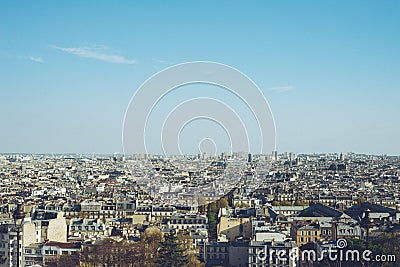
[(274, 155)]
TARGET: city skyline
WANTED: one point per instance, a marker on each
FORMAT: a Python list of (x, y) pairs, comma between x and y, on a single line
[(329, 71)]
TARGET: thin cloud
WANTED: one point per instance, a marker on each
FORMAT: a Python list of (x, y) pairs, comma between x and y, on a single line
[(282, 89), (164, 62), (160, 63), (95, 52), (35, 59)]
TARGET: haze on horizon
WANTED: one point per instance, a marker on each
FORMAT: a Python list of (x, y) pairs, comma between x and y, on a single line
[(329, 70)]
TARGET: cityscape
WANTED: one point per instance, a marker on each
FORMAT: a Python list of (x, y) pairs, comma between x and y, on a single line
[(56, 210)]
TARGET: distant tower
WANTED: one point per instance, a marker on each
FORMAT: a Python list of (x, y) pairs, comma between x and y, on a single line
[(274, 155), (249, 158)]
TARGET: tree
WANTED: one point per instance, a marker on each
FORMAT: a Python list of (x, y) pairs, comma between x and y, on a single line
[(109, 252), (171, 252), (360, 200), (149, 244), (193, 261), (64, 261), (212, 207), (385, 244), (192, 253), (212, 225), (300, 203), (244, 205), (212, 221), (222, 203), (275, 203), (286, 203), (153, 249)]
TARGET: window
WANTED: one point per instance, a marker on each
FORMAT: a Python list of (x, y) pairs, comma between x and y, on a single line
[(50, 252)]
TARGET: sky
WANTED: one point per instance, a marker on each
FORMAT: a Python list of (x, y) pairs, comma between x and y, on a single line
[(328, 69)]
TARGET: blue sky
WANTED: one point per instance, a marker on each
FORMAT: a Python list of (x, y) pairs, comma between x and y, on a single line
[(329, 69)]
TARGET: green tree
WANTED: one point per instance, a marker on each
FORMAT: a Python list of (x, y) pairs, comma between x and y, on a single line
[(192, 252), (171, 252), (212, 225), (212, 207)]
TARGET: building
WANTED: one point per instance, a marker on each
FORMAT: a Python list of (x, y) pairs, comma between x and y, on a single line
[(8, 243), (80, 229), (188, 222), (229, 229), (272, 253), (43, 253), (304, 232), (214, 253)]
